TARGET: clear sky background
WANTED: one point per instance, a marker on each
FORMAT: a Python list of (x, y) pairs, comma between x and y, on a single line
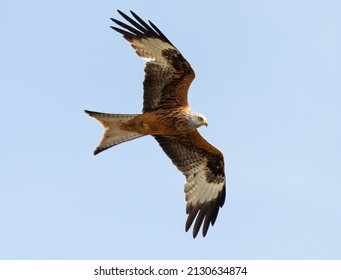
[(268, 78)]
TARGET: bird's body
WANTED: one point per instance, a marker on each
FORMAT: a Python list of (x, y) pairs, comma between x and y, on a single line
[(177, 121), (167, 116)]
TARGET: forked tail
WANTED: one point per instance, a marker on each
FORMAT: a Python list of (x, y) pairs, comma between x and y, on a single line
[(113, 134)]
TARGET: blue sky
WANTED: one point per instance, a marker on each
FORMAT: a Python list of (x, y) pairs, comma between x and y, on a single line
[(268, 80)]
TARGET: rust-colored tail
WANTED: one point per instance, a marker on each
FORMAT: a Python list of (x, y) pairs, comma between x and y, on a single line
[(113, 134)]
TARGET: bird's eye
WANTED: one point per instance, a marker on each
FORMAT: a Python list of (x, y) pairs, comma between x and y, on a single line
[(200, 118)]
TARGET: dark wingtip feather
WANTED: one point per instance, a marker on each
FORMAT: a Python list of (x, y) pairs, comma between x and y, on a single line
[(207, 221), (220, 203), (192, 213), (121, 13), (199, 220), (133, 13), (123, 32), (204, 215), (140, 27), (97, 151), (163, 36)]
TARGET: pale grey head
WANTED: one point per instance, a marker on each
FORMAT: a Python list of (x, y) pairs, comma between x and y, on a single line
[(196, 119)]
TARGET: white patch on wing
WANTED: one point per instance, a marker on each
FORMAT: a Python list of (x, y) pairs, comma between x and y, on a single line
[(151, 49), (148, 59), (198, 190)]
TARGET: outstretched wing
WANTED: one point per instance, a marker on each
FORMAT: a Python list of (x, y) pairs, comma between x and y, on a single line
[(168, 75), (203, 166)]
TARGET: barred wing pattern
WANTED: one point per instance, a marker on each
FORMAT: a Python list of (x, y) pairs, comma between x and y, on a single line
[(203, 166), (168, 75)]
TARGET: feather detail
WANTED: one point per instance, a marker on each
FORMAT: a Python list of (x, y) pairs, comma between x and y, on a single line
[(113, 133)]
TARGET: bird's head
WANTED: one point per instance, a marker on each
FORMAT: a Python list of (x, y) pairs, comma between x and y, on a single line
[(197, 119)]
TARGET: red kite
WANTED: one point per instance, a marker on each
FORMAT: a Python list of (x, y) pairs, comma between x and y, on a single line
[(167, 116)]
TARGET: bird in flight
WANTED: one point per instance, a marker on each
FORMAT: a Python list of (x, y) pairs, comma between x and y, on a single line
[(167, 116)]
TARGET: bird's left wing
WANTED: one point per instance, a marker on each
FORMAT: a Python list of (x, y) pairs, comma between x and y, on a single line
[(168, 75), (203, 166)]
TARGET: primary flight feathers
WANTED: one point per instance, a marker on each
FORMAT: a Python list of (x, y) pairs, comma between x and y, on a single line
[(167, 116)]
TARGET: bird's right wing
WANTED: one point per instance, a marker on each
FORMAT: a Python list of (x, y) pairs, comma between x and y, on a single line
[(203, 166)]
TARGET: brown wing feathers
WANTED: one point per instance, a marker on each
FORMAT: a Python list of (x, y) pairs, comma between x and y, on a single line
[(195, 160), (168, 74)]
